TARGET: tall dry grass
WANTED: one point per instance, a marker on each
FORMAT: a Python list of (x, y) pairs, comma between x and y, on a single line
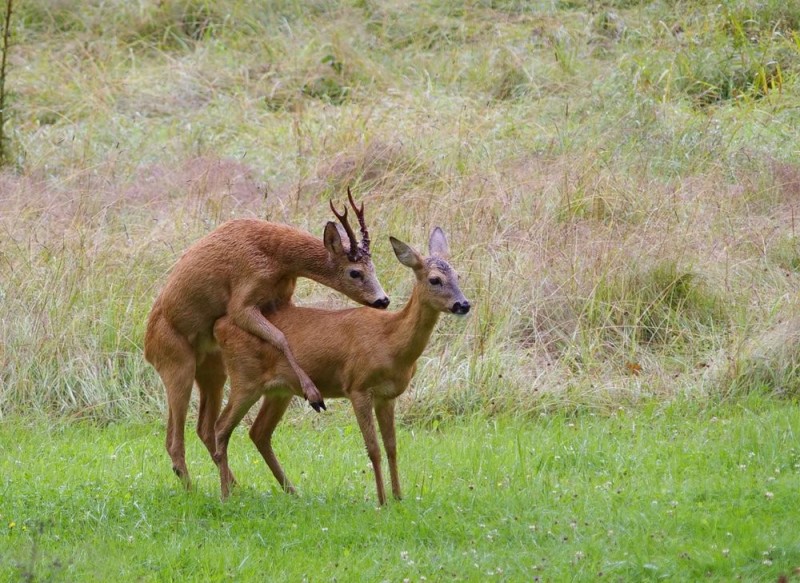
[(622, 238)]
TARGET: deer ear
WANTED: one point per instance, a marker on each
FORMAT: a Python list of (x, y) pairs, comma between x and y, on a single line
[(406, 254), (438, 244), (332, 239)]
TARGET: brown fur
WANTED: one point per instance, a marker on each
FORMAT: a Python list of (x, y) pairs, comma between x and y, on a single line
[(244, 268), (360, 354)]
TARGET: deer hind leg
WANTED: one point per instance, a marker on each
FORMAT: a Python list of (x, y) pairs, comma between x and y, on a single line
[(384, 411), (271, 413), (239, 402), (362, 405), (174, 359), (210, 377)]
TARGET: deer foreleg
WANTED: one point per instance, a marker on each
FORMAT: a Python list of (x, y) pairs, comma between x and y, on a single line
[(252, 320), (362, 405), (384, 411)]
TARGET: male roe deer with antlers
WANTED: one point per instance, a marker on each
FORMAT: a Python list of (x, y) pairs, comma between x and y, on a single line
[(366, 356), (243, 269)]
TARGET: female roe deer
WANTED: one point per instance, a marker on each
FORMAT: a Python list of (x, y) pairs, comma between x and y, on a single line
[(364, 355), (244, 268)]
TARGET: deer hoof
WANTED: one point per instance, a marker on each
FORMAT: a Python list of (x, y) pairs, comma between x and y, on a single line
[(184, 477), (319, 406)]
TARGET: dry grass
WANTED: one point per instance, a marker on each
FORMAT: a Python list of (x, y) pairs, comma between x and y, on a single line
[(618, 240)]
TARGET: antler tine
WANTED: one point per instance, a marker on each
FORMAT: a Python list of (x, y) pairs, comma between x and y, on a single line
[(338, 216), (353, 254), (359, 211), (361, 223)]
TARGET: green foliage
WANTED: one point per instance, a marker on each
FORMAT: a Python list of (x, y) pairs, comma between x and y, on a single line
[(609, 24), (173, 23), (734, 51), (511, 81), (785, 253), (709, 78), (594, 4), (53, 15), (329, 86), (660, 304), (564, 50), (768, 363), (419, 30), (751, 20)]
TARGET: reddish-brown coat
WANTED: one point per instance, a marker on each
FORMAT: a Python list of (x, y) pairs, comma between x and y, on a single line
[(364, 355), (243, 269)]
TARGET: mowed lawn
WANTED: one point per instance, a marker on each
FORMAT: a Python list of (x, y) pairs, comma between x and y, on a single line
[(674, 492)]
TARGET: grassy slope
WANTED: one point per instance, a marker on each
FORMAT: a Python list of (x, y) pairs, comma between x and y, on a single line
[(679, 492), (618, 180)]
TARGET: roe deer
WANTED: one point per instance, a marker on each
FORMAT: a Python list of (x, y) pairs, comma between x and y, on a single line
[(364, 355), (244, 268)]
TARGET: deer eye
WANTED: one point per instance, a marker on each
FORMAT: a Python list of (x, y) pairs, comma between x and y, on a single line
[(435, 281), (355, 274)]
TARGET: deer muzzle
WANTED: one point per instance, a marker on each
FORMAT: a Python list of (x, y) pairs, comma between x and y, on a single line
[(381, 304)]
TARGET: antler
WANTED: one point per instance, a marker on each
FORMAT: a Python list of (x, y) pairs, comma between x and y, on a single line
[(356, 250), (353, 253), (361, 223)]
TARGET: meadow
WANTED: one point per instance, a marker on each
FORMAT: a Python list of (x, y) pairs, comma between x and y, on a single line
[(619, 183), (661, 493)]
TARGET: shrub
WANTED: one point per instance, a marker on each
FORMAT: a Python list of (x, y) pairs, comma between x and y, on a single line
[(767, 363), (661, 304)]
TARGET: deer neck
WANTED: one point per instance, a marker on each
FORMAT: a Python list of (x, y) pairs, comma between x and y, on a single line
[(413, 326), (308, 258)]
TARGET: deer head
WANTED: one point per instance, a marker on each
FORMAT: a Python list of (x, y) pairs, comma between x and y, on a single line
[(354, 271), (437, 282)]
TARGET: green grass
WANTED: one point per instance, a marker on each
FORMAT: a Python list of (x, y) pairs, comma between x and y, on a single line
[(680, 492)]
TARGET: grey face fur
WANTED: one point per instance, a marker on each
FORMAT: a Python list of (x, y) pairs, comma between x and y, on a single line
[(438, 279)]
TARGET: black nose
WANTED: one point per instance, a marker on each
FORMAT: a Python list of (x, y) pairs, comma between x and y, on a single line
[(460, 307), (381, 304)]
